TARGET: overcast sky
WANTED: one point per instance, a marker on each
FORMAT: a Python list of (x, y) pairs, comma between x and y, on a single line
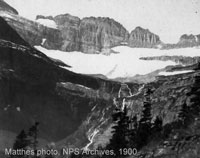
[(167, 18)]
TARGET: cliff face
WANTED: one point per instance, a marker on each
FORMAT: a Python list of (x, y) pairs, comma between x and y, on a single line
[(101, 33), (143, 38), (189, 40), (94, 35), (89, 35), (7, 8), (69, 28)]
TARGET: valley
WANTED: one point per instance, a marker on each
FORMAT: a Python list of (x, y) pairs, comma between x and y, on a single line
[(73, 74)]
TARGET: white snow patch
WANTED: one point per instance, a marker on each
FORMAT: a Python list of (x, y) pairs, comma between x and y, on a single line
[(91, 139), (88, 121), (43, 41), (47, 22), (124, 43), (127, 63), (94, 108), (18, 109), (71, 84), (174, 73), (6, 108), (159, 46), (83, 86), (6, 15), (36, 55), (196, 38), (11, 70), (123, 104)]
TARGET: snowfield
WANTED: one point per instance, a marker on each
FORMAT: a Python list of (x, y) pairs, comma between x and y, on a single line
[(124, 64), (47, 23), (174, 73)]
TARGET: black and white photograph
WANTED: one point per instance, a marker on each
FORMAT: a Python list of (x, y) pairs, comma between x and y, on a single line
[(99, 78)]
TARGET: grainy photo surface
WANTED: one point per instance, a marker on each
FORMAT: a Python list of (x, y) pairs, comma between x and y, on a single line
[(99, 78)]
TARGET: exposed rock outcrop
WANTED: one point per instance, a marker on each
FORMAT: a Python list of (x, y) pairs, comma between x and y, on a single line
[(185, 41), (34, 33), (89, 35), (69, 28), (143, 38), (98, 34), (189, 40), (7, 8)]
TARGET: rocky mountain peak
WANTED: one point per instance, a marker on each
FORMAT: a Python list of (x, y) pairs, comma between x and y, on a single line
[(140, 29), (189, 40), (66, 19), (90, 35), (7, 8), (141, 37), (101, 33), (190, 37)]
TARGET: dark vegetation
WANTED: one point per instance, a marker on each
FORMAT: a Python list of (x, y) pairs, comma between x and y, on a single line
[(27, 141)]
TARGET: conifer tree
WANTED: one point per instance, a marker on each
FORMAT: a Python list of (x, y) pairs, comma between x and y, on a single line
[(133, 127), (120, 131), (21, 141), (33, 134), (144, 128), (184, 115), (157, 125), (194, 97)]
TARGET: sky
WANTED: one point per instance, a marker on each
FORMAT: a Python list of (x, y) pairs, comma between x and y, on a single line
[(167, 18)]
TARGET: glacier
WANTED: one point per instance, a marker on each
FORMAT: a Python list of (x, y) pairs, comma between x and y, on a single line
[(127, 63)]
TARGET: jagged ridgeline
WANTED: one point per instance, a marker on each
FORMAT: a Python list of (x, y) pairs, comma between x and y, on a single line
[(88, 35)]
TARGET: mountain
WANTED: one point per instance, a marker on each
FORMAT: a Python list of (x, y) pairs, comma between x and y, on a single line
[(74, 110), (189, 40), (35, 88), (170, 93), (89, 35), (5, 7), (143, 38)]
